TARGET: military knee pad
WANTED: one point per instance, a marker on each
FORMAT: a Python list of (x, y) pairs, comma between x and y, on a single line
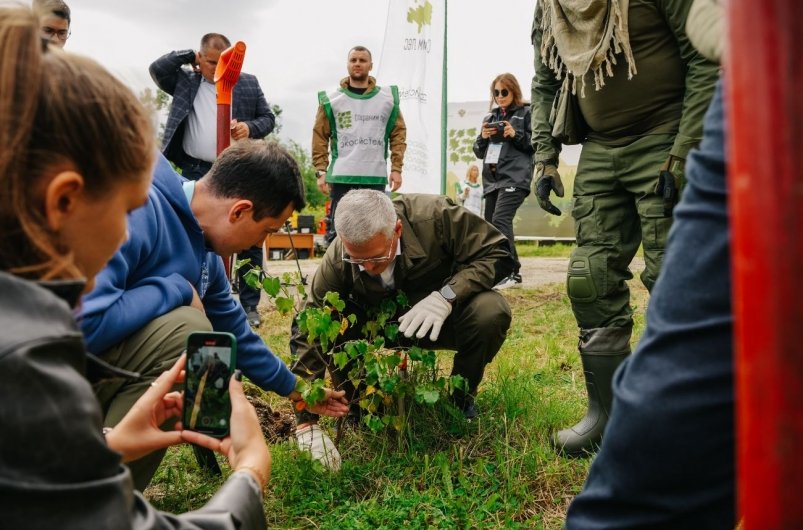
[(580, 282)]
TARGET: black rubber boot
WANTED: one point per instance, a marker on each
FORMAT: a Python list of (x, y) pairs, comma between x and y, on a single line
[(602, 350)]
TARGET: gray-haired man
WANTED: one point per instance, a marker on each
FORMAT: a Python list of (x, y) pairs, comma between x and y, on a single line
[(442, 256)]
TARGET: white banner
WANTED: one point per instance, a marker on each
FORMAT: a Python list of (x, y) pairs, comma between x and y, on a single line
[(412, 59)]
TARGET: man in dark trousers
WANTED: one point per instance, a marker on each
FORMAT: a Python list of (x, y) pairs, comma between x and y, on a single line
[(190, 137), (633, 90)]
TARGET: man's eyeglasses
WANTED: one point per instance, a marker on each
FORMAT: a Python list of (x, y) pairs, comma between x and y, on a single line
[(504, 93), (62, 34), (358, 261)]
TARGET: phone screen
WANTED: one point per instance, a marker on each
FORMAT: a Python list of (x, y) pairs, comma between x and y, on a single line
[(211, 359)]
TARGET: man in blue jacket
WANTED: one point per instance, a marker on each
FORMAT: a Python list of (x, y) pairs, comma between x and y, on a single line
[(190, 137), (168, 279)]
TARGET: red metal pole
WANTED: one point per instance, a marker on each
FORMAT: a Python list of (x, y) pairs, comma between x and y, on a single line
[(764, 76), (226, 75)]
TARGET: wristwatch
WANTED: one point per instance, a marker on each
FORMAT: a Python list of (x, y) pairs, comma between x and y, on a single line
[(448, 293), (320, 173)]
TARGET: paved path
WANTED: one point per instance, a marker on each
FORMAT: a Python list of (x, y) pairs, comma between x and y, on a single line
[(534, 271)]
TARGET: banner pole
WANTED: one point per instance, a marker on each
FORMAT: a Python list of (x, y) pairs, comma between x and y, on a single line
[(444, 97)]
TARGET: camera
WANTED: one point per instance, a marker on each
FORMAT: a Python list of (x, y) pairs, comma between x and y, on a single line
[(498, 125)]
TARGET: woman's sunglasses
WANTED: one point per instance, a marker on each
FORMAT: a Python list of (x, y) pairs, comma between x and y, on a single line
[(504, 93)]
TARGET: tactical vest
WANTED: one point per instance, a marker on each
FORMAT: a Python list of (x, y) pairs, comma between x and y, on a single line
[(361, 126)]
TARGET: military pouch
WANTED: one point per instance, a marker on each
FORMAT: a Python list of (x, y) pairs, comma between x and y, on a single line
[(568, 125)]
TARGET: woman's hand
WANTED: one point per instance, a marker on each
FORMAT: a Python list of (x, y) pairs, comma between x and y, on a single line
[(245, 447), (510, 132), (486, 132), (139, 432)]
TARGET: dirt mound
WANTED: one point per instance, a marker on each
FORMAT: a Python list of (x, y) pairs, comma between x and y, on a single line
[(276, 425)]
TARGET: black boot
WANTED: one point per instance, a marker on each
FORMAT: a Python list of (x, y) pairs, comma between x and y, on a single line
[(602, 350)]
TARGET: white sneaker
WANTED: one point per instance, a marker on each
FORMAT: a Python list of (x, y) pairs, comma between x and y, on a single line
[(514, 280), (314, 440)]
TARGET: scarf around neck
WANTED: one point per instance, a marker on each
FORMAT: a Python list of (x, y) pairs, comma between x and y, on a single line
[(581, 36)]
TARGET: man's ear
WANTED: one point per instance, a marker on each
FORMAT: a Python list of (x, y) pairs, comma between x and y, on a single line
[(62, 195), (240, 210), (398, 227)]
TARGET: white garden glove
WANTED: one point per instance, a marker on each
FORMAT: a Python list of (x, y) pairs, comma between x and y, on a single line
[(313, 440), (431, 312)]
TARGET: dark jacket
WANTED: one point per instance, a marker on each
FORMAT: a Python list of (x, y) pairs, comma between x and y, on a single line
[(248, 103), (515, 166), (56, 470)]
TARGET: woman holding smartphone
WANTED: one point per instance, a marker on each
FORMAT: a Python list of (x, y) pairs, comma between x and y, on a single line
[(504, 146), (77, 155)]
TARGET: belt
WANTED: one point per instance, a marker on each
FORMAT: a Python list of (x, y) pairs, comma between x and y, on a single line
[(188, 160)]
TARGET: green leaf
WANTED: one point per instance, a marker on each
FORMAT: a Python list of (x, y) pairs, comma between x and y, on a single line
[(388, 307), (392, 331), (240, 263), (390, 384), (458, 382), (429, 359), (402, 300), (333, 299), (341, 359), (415, 353), (373, 423), (284, 304), (426, 395), (271, 285), (316, 392)]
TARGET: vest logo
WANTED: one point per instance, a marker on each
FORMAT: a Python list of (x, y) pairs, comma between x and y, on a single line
[(344, 120), (421, 14)]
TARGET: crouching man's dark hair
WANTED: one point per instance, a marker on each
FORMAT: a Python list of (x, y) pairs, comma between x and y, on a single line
[(261, 172)]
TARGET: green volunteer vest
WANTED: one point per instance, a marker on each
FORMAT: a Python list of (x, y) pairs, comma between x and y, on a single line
[(361, 126)]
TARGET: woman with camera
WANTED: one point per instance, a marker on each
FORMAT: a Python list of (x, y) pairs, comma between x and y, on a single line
[(504, 146), (63, 214)]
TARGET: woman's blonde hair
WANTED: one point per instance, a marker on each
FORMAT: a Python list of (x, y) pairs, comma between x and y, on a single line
[(509, 82), (58, 111), (468, 171)]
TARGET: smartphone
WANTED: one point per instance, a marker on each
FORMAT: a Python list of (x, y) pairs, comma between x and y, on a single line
[(211, 358), (498, 125)]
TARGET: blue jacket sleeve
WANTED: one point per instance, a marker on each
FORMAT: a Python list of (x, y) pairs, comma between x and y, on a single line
[(116, 308), (254, 358)]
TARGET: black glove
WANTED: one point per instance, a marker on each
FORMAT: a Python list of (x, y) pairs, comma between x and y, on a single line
[(547, 179), (670, 179)]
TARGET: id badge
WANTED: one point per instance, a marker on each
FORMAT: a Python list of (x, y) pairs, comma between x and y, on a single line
[(492, 154)]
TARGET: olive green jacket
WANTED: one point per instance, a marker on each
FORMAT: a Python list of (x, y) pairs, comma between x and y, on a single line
[(441, 243), (669, 94)]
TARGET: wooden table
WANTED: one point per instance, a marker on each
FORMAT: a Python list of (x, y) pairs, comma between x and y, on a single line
[(281, 241)]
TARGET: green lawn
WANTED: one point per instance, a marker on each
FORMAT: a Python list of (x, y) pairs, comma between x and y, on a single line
[(496, 472)]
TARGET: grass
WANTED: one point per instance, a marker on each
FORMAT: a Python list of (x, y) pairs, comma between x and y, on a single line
[(544, 249), (496, 472)]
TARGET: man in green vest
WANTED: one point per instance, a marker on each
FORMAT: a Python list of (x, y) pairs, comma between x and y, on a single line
[(633, 90), (359, 123)]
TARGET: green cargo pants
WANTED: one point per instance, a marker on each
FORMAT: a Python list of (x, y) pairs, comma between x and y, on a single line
[(150, 351), (615, 209)]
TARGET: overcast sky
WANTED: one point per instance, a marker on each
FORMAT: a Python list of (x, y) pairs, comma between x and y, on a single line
[(298, 47)]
